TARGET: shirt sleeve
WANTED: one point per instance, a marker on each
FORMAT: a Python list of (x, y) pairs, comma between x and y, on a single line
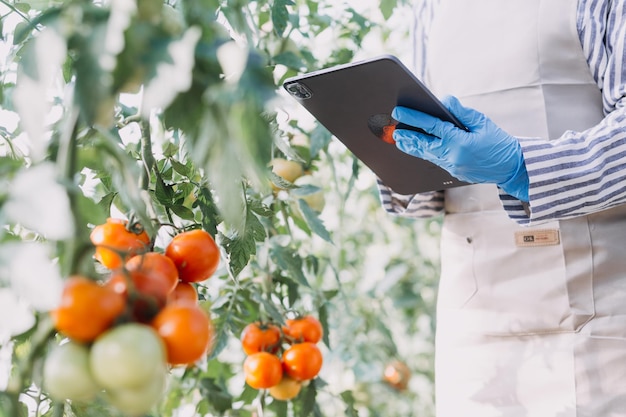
[(419, 206), (583, 172)]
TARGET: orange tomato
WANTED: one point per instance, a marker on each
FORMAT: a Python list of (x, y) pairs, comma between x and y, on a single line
[(287, 389), (87, 309), (258, 337), (186, 330), (304, 329), (114, 243), (195, 254), (302, 361), (183, 291), (262, 370), (397, 374)]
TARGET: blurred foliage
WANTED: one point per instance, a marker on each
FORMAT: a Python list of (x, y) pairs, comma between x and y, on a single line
[(171, 113)]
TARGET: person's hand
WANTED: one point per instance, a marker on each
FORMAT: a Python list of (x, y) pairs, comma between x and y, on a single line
[(483, 154)]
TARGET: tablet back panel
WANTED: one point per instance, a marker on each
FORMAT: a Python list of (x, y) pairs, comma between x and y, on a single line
[(354, 102)]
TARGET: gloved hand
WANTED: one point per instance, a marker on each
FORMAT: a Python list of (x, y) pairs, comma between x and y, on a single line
[(484, 154)]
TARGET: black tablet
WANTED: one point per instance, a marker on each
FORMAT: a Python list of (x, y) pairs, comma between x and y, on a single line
[(354, 102)]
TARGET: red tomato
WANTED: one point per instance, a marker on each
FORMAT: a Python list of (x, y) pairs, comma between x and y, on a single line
[(304, 329), (183, 291), (258, 337), (302, 361), (195, 254)]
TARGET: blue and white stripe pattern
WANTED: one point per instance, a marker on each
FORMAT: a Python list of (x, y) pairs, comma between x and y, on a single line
[(580, 172)]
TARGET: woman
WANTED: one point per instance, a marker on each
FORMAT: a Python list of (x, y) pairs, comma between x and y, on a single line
[(531, 315)]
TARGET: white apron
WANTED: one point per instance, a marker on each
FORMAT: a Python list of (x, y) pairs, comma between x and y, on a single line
[(531, 321)]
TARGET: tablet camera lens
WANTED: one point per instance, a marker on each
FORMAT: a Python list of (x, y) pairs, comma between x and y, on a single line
[(299, 91)]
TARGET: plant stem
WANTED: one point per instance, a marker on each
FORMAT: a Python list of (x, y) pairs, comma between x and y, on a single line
[(66, 163)]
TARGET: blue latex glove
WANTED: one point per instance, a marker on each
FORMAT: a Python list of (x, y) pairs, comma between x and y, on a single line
[(484, 154)]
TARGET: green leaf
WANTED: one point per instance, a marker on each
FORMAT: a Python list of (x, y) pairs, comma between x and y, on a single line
[(21, 32), (221, 339), (183, 212), (313, 220), (323, 317), (210, 215), (163, 193), (289, 59), (289, 152), (218, 395), (290, 262), (106, 201), (280, 182), (305, 189), (270, 308), (280, 15), (248, 395), (22, 7), (302, 224), (348, 398), (387, 7), (90, 211), (182, 169), (320, 138), (241, 246), (308, 400), (280, 408)]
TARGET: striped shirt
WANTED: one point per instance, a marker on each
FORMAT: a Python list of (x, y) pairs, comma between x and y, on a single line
[(580, 172)]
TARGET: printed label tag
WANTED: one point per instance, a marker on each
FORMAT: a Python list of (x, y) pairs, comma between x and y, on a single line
[(542, 237)]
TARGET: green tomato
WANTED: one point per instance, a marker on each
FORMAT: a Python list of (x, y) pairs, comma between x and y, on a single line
[(139, 400), (66, 373), (127, 356)]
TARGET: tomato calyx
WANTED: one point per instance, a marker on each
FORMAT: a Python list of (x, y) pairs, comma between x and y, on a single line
[(135, 227)]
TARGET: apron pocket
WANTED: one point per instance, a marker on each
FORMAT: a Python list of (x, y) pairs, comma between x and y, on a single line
[(499, 278)]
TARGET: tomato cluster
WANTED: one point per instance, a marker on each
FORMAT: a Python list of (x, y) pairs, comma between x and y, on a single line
[(280, 359), (128, 327)]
